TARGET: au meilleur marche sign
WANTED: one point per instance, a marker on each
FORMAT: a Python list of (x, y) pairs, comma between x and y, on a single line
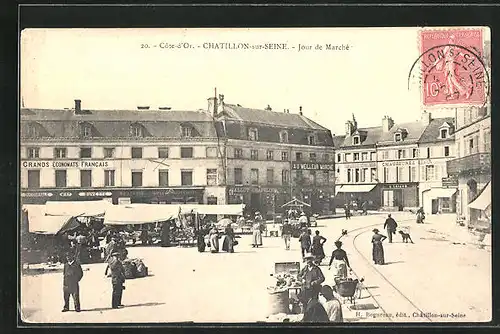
[(312, 166)]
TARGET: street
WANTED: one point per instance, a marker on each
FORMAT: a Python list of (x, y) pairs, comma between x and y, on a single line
[(432, 280)]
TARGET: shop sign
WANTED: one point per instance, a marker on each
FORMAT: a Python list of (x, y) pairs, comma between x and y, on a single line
[(67, 164), (124, 200), (37, 194), (398, 185), (449, 182), (398, 163), (95, 194), (245, 190), (312, 166), (361, 165)]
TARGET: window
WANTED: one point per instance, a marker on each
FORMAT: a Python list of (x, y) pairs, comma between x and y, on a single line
[(33, 131), (33, 179), (283, 137), (385, 155), (401, 172), (356, 175), (109, 178), (364, 156), (187, 131), (443, 133), (347, 157), (253, 134), (373, 176), (136, 152), (270, 176), (373, 156), (429, 172), (386, 174), (163, 152), (163, 178), (284, 156), (349, 176), (136, 130), (487, 140), (212, 176), (86, 130), (186, 177), (136, 178), (285, 176), (339, 157), (413, 174), (355, 140), (61, 178), (86, 178), (211, 152), (356, 156), (254, 154), (238, 176), (298, 156), (312, 156), (363, 174), (33, 152), (401, 154), (326, 157), (60, 153), (270, 155), (109, 152), (397, 137), (428, 152), (414, 153), (86, 152), (446, 151), (311, 140), (238, 153), (254, 176), (186, 152), (471, 145)]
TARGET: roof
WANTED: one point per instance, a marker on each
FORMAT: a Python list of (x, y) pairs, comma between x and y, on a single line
[(414, 131), (431, 133), (368, 136), (338, 141), (267, 117)]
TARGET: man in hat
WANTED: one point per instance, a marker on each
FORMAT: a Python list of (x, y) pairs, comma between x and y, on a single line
[(303, 220), (311, 277), (305, 242), (332, 305), (117, 279), (391, 225), (72, 274)]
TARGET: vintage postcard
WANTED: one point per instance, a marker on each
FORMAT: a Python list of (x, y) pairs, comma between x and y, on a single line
[(255, 175)]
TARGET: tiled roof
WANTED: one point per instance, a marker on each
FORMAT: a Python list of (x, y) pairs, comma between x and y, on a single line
[(338, 141), (414, 131), (279, 119), (368, 136), (431, 133)]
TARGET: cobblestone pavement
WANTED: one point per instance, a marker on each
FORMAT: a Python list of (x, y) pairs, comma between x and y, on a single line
[(184, 285)]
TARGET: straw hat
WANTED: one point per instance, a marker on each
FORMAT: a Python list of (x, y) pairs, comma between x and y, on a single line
[(309, 256), (375, 230), (115, 253)]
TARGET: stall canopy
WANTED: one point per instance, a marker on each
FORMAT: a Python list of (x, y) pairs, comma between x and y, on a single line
[(140, 214), (440, 192), (51, 225), (206, 209), (81, 208), (483, 200), (355, 188), (295, 202)]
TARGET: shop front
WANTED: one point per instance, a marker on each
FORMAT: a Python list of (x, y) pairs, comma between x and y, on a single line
[(267, 200), (397, 196), (358, 194), (173, 195)]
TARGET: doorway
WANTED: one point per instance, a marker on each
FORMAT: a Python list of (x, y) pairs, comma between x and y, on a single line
[(435, 206), (255, 202)]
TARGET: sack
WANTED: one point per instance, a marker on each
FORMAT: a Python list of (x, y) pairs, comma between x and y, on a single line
[(141, 269), (130, 269)]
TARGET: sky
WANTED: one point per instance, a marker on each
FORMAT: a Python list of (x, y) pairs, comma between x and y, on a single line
[(109, 69)]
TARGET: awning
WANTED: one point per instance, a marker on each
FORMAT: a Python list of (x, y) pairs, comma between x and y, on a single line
[(80, 208), (140, 214), (51, 225), (295, 202), (355, 188), (207, 209), (483, 200), (440, 192)]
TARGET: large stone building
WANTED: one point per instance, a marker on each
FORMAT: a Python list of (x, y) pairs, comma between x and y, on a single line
[(226, 154)]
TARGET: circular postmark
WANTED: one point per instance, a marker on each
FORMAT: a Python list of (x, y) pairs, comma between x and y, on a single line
[(451, 74)]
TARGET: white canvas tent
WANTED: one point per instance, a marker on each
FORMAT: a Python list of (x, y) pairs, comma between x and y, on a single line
[(483, 201), (206, 209), (140, 214), (81, 208), (41, 223)]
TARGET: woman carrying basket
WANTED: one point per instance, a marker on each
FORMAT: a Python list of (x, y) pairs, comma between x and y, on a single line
[(340, 261)]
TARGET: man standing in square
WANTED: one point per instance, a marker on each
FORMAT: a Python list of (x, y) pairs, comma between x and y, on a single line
[(391, 225), (72, 275)]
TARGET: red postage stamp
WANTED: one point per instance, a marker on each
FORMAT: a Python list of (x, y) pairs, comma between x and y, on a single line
[(452, 68)]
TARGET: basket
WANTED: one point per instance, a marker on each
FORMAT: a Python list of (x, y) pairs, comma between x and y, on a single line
[(347, 288)]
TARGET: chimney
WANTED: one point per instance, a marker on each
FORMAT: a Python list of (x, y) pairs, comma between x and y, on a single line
[(426, 117), (142, 107), (164, 108), (288, 111), (78, 106), (349, 128), (212, 105), (300, 108), (268, 108), (387, 123)]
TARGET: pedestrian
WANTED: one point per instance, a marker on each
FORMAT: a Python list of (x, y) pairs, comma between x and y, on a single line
[(347, 211), (286, 233), (315, 311), (340, 261), (311, 277), (214, 239), (378, 249), (317, 247), (305, 242), (200, 238), (257, 231), (391, 225), (110, 247), (117, 279), (332, 305), (228, 244), (420, 215), (303, 220), (72, 274), (241, 221), (364, 206)]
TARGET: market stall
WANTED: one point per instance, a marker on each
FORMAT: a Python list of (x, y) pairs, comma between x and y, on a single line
[(284, 295)]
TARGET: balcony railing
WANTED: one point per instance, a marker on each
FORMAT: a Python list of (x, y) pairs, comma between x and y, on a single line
[(478, 162)]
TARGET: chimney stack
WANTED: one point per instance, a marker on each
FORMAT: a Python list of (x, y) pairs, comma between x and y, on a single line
[(164, 108), (349, 128), (78, 106), (426, 117), (142, 107), (268, 108), (387, 123)]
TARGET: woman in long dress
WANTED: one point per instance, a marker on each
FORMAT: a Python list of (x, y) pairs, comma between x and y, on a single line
[(257, 231), (214, 239), (317, 248), (340, 261), (228, 244), (378, 249)]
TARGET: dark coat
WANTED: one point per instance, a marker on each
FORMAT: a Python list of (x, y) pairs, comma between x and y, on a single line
[(117, 271), (312, 277), (390, 224), (305, 240), (315, 312), (72, 274)]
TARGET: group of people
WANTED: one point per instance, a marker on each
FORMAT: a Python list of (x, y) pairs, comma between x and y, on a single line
[(349, 208), (214, 236)]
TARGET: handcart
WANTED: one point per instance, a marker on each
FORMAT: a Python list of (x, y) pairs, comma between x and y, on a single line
[(284, 298), (347, 288)]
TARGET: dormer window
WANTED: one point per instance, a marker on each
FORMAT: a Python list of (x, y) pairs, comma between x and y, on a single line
[(398, 137), (311, 140), (86, 130), (136, 130), (187, 131), (253, 134), (33, 130), (355, 140), (284, 137), (443, 133)]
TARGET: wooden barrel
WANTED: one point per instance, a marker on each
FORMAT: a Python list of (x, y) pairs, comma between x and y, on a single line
[(279, 301)]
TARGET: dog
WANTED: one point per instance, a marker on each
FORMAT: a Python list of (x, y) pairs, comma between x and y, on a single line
[(405, 236)]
